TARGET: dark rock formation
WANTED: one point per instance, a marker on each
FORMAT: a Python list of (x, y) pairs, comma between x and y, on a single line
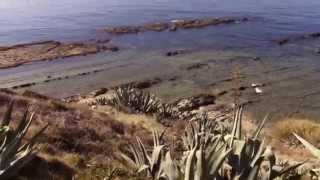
[(173, 25), (192, 103), (147, 83), (294, 38), (196, 66), (175, 52), (160, 26), (123, 30), (98, 92)]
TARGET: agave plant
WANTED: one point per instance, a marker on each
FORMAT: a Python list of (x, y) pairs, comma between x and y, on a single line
[(315, 151), (14, 154), (129, 99), (141, 161), (213, 154), (250, 153)]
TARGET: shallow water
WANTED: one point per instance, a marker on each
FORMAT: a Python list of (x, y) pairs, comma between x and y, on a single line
[(22, 21), (292, 71)]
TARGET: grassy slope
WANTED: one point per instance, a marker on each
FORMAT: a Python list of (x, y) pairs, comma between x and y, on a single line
[(78, 140), (84, 143)]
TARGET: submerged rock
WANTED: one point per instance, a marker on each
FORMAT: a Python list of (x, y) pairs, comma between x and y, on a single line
[(294, 38), (123, 30), (176, 52), (173, 25), (159, 26), (196, 66), (47, 50)]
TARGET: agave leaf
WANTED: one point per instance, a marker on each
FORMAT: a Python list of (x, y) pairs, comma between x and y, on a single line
[(14, 155), (35, 137), (315, 151), (14, 145), (3, 131), (170, 169), (253, 174), (143, 168), (7, 116), (258, 154), (4, 142), (238, 147), (288, 169), (189, 164), (237, 125), (156, 159), (198, 174), (16, 164), (130, 162), (260, 127), (218, 161), (143, 150), (213, 147), (137, 157)]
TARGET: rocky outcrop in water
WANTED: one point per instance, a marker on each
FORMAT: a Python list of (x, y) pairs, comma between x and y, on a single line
[(176, 52), (15, 55), (173, 25), (286, 40)]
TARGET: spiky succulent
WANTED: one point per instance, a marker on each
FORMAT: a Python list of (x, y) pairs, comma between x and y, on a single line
[(212, 154), (315, 151), (131, 100), (142, 161), (14, 154), (315, 173), (127, 98)]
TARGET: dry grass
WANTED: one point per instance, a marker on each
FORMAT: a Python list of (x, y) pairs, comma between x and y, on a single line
[(283, 129), (76, 136)]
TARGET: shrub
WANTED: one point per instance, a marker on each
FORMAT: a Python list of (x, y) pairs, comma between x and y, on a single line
[(307, 129)]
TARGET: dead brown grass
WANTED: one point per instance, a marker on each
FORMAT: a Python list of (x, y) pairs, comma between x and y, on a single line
[(76, 136), (308, 129)]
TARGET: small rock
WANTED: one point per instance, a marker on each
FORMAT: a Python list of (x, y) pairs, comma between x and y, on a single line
[(196, 66), (258, 90), (283, 41), (98, 92), (175, 52), (257, 85), (256, 58)]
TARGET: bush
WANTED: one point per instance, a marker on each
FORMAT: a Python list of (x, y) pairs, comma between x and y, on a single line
[(307, 129)]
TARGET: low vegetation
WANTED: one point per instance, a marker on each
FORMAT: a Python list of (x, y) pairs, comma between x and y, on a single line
[(307, 129), (14, 154), (128, 99), (210, 154), (81, 143)]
